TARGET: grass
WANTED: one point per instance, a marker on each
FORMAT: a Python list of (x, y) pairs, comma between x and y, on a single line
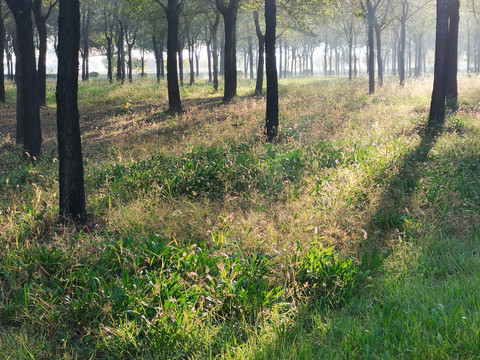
[(355, 236)]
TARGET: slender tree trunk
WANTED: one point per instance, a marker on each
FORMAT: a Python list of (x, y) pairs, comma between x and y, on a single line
[(20, 135), (173, 13), (378, 34), (371, 48), (280, 58), (2, 49), (215, 51), (451, 90), (190, 60), (261, 55), (71, 182), (41, 22), (230, 20), (209, 57), (180, 60), (271, 126), (401, 51), (119, 41), (437, 107), (32, 137), (250, 55), (156, 53), (109, 59)]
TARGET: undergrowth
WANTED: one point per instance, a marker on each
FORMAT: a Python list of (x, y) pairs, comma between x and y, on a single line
[(203, 241)]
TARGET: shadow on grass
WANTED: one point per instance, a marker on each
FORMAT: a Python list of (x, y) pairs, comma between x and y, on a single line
[(396, 201)]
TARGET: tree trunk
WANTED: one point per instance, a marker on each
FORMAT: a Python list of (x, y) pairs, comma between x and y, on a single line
[(230, 19), (190, 60), (32, 139), (173, 13), (119, 41), (451, 90), (215, 51), (71, 182), (180, 61), (209, 56), (2, 48), (437, 106), (378, 33), (158, 59), (41, 22), (401, 51), (109, 60), (371, 48), (261, 55), (271, 126)]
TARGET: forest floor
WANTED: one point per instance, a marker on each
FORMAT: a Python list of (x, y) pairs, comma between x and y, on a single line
[(356, 235)]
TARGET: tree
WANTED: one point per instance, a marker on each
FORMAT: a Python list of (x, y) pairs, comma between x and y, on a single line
[(271, 126), (445, 59), (172, 10), (261, 53), (2, 49), (41, 17), (229, 13), (28, 119), (71, 181)]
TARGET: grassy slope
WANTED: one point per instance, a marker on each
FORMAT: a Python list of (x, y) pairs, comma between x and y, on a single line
[(350, 170)]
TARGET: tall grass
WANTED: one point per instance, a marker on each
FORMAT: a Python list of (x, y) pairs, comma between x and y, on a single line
[(203, 241)]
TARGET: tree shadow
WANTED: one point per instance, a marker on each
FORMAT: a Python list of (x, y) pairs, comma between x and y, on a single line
[(394, 206)]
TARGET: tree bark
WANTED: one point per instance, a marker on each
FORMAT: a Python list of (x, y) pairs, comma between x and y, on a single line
[(28, 101), (451, 90), (2, 48), (173, 10), (371, 20), (271, 126), (437, 106), (215, 51), (230, 19), (71, 182), (261, 55), (41, 22)]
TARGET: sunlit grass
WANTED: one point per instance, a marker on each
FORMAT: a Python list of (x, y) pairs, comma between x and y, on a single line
[(191, 204)]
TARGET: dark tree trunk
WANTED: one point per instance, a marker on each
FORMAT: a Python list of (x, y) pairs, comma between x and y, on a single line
[(209, 54), (230, 19), (19, 105), (261, 55), (108, 31), (215, 51), (173, 10), (32, 137), (41, 21), (451, 90), (86, 17), (120, 45), (437, 106), (401, 50), (371, 48), (271, 126), (2, 49), (378, 33), (109, 60), (130, 44), (71, 183), (180, 61), (158, 58), (280, 58), (191, 60), (250, 55)]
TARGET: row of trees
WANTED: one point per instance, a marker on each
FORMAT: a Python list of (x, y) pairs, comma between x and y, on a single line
[(73, 37)]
